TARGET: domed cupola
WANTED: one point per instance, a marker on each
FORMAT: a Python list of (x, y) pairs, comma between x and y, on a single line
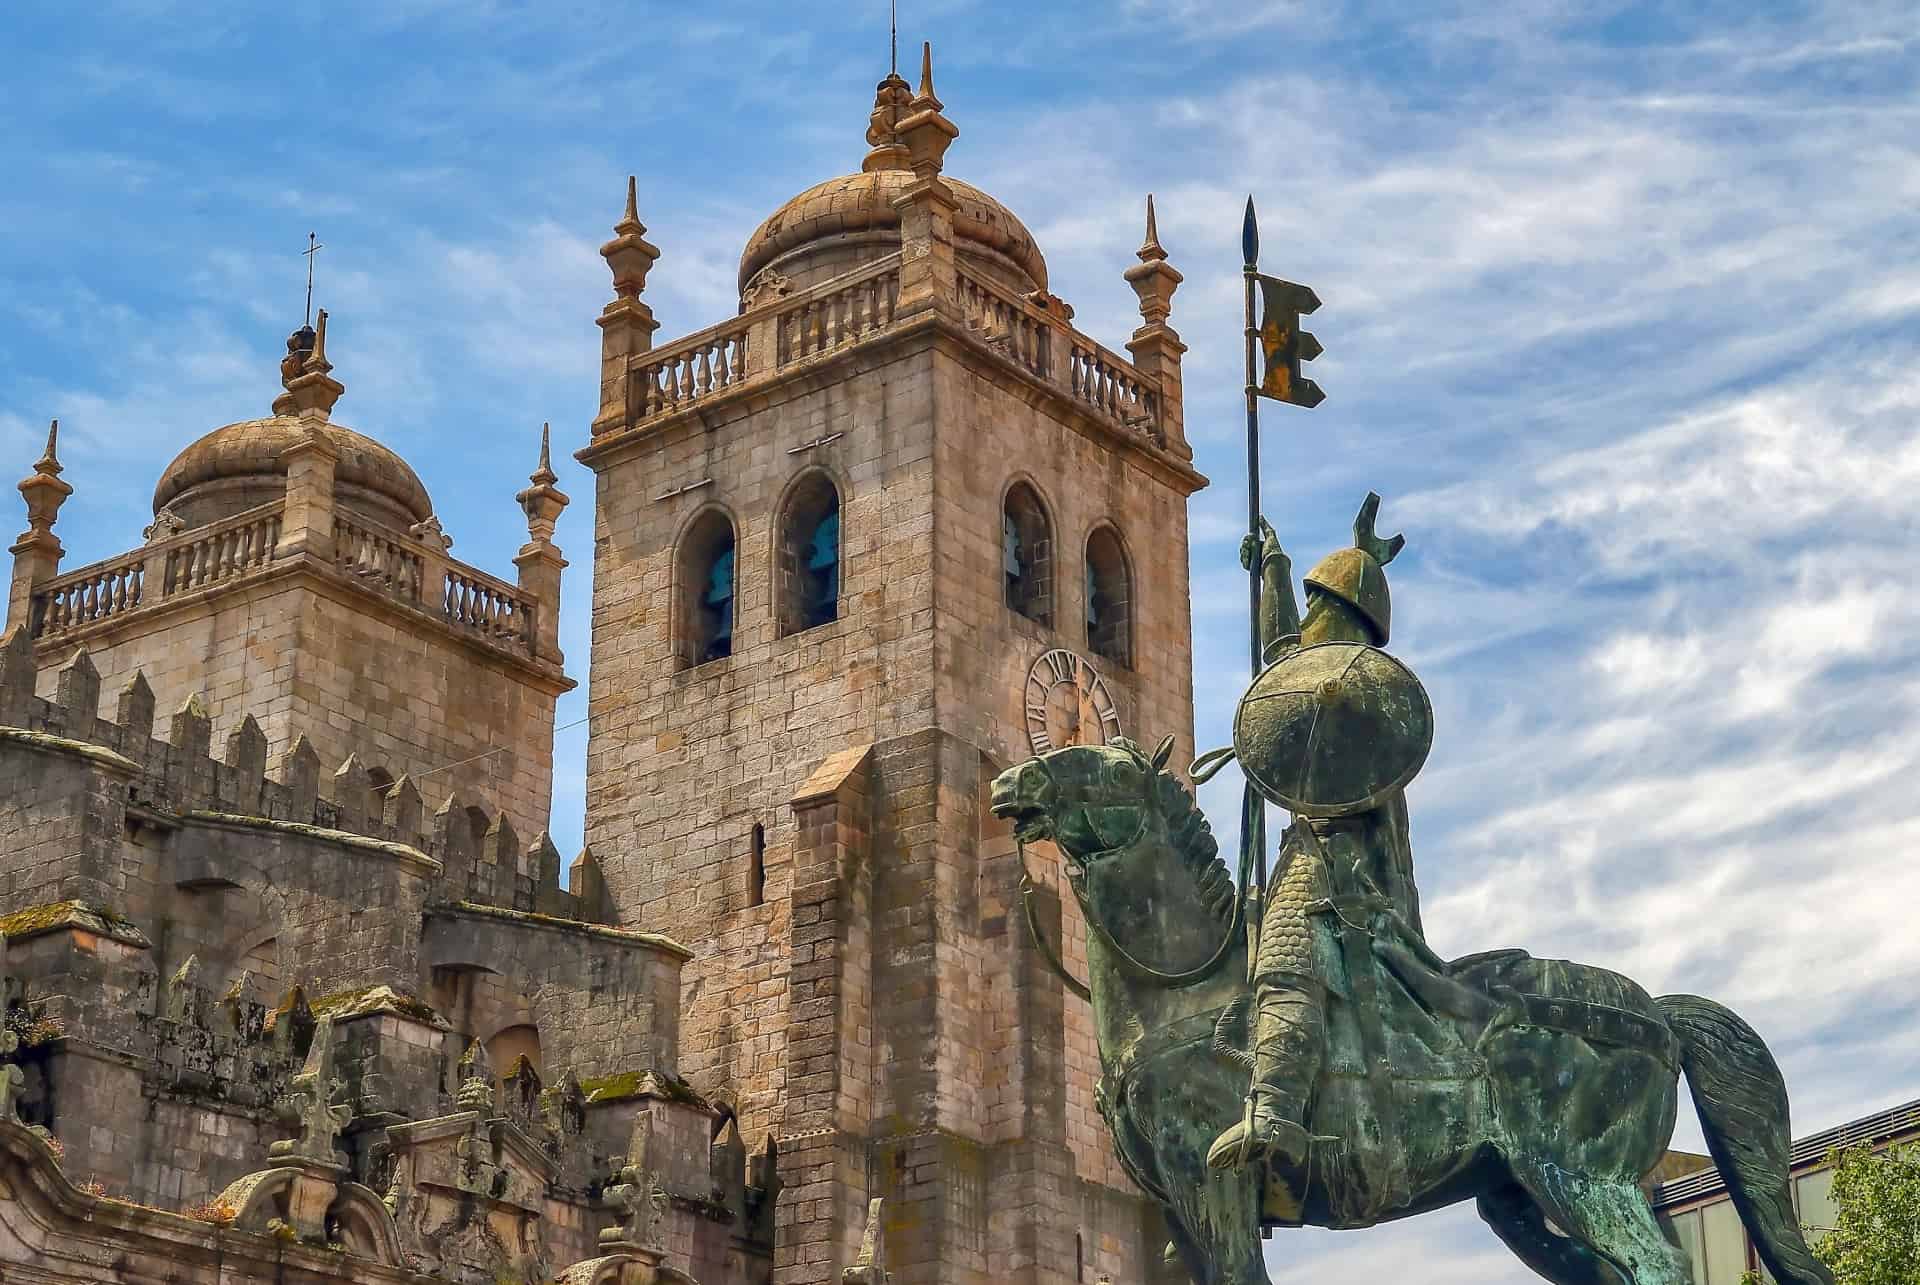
[(837, 226), (239, 466)]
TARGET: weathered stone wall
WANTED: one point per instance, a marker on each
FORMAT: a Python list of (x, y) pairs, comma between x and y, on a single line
[(306, 656), (930, 1056), (682, 763)]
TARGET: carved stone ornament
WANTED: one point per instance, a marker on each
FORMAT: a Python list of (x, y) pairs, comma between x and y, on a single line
[(765, 287), (165, 525), (309, 1104)]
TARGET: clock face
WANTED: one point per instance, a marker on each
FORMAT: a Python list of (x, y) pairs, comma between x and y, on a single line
[(1068, 703)]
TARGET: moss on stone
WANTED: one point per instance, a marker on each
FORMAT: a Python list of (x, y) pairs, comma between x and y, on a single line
[(52, 916), (373, 999), (650, 1083)]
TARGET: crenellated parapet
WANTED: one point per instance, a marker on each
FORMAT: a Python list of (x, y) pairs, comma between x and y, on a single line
[(175, 775)]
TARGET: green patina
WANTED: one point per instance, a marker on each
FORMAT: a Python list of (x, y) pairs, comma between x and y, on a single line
[(1320, 1065), (648, 1083)]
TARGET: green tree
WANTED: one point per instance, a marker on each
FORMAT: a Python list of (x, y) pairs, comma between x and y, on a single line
[(1875, 1239)]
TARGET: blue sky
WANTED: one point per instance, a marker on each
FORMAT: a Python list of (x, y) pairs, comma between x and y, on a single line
[(1621, 311)]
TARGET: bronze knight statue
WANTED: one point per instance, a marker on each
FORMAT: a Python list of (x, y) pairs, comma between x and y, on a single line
[(1351, 1076)]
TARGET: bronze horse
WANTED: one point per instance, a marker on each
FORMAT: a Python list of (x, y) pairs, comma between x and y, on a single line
[(1547, 1103)]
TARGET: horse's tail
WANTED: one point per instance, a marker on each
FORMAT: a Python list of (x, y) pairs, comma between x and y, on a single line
[(1742, 1101)]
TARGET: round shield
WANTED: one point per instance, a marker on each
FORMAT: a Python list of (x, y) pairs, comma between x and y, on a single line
[(1333, 729)]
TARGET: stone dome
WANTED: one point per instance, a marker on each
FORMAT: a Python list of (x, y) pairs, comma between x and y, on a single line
[(239, 466), (835, 226)]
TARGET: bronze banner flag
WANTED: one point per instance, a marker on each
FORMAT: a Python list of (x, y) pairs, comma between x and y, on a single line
[(1284, 345)]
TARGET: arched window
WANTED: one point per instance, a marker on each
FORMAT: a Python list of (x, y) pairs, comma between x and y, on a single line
[(707, 590), (807, 573), (1109, 598), (1026, 554)]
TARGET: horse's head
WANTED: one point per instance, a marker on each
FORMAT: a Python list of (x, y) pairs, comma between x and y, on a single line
[(1091, 800), (1140, 857)]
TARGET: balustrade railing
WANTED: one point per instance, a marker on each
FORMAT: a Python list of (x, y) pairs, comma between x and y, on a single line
[(89, 594), (224, 550), (821, 321), (491, 608), (1112, 386), (1009, 324), (696, 367), (850, 308), (380, 559)]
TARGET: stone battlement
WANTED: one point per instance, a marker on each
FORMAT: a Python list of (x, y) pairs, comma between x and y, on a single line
[(473, 854)]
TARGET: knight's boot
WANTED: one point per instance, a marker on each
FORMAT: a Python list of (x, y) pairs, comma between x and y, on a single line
[(1289, 1043)]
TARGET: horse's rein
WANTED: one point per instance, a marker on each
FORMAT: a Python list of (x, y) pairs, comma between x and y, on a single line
[(1186, 977)]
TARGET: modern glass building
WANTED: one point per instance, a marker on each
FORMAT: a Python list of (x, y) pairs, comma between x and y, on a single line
[(1699, 1216)]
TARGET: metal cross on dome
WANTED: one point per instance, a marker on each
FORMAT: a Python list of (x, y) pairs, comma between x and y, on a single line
[(313, 247)]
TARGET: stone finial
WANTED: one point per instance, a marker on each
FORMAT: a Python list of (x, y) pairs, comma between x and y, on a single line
[(190, 731), (629, 255), (36, 554), (404, 807), (300, 774), (17, 677), (246, 751), (870, 1265), (306, 374), (1153, 278), (309, 1104), (353, 794), (926, 132), (588, 884), (476, 1080), (892, 98), (542, 501), (638, 1195), (185, 996), (134, 712), (43, 489), (79, 692)]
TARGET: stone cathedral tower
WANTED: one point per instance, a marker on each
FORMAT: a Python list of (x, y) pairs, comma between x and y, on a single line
[(857, 548)]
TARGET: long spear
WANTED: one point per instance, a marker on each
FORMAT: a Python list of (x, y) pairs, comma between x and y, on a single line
[(1253, 808), (1275, 348)]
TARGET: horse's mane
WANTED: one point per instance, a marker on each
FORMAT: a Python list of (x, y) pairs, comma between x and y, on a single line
[(1192, 837)]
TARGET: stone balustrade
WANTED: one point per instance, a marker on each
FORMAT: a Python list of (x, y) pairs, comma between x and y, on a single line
[(493, 609), (384, 561), (837, 312), (379, 560), (227, 548), (696, 367), (781, 330), (89, 594), (1111, 386)]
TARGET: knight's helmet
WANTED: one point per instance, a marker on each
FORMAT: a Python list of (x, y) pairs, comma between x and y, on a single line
[(1336, 725), (1356, 576)]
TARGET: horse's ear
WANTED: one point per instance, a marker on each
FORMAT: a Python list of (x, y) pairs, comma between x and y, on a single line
[(1162, 754)]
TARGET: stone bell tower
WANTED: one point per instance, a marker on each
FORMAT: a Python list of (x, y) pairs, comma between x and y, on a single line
[(859, 547)]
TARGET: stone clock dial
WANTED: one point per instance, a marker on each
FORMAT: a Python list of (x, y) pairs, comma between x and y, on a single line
[(1068, 703)]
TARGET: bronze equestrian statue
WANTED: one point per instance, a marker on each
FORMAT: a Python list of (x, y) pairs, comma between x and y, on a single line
[(1351, 1076)]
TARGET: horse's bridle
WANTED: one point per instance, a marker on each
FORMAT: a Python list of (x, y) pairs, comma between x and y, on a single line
[(1147, 972)]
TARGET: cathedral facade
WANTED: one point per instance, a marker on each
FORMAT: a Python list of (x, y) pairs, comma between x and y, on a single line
[(290, 993)]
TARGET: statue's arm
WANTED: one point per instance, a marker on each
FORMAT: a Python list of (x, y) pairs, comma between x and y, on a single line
[(1279, 610)]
